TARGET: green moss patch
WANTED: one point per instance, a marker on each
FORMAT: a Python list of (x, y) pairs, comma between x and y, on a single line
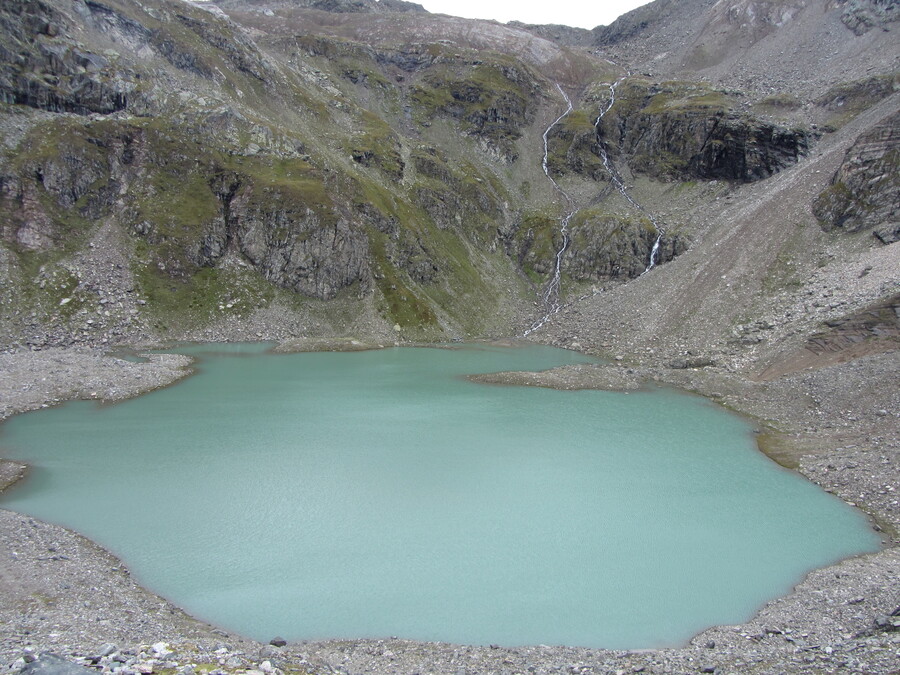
[(200, 298), (677, 96), (489, 99), (845, 101), (535, 244), (399, 303), (377, 146)]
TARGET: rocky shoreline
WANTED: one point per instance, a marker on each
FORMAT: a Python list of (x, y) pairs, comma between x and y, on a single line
[(61, 593)]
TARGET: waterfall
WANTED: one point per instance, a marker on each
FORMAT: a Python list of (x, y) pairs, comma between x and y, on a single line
[(654, 253), (550, 297), (617, 180)]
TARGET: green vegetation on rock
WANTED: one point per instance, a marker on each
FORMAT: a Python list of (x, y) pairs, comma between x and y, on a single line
[(488, 98)]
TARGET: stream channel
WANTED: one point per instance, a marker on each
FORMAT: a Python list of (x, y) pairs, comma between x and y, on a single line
[(380, 493)]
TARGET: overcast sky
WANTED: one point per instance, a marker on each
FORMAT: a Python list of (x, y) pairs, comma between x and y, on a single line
[(581, 13)]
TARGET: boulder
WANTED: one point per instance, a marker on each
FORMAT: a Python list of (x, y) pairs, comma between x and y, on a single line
[(51, 664)]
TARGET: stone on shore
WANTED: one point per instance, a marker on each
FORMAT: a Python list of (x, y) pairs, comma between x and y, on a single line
[(51, 664)]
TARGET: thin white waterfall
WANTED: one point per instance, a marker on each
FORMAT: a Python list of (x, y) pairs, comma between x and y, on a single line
[(617, 181), (550, 297)]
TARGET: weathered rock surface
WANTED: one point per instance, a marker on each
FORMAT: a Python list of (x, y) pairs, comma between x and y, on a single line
[(194, 211), (689, 132), (453, 198), (44, 65), (289, 242), (51, 664), (865, 190), (334, 6), (573, 146), (861, 16), (370, 146), (607, 247), (40, 66), (491, 101)]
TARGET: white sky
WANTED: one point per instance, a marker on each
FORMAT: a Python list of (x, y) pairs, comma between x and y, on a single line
[(581, 13)]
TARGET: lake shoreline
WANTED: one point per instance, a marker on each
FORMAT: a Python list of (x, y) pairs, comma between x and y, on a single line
[(830, 618)]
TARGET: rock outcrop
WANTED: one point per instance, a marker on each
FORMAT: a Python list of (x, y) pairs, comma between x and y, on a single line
[(186, 204), (688, 132), (491, 100), (453, 197), (291, 240), (861, 16), (573, 147), (865, 190), (844, 101), (333, 6), (306, 146), (602, 246), (43, 67), (605, 247)]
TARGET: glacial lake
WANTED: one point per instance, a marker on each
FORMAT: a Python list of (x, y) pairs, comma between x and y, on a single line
[(380, 493)]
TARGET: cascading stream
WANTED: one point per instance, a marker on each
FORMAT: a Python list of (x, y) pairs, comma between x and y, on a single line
[(550, 296), (617, 180)]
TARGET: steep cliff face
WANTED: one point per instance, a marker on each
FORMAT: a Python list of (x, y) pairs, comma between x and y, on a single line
[(44, 64), (685, 131), (199, 181), (865, 191), (602, 246), (294, 242), (573, 146), (42, 67), (605, 247), (454, 197), (491, 100), (673, 131), (488, 96), (188, 205)]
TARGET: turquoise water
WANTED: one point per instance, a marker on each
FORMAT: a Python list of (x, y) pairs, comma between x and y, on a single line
[(380, 493)]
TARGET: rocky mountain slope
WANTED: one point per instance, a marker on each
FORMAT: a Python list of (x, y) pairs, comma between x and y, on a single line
[(369, 166)]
